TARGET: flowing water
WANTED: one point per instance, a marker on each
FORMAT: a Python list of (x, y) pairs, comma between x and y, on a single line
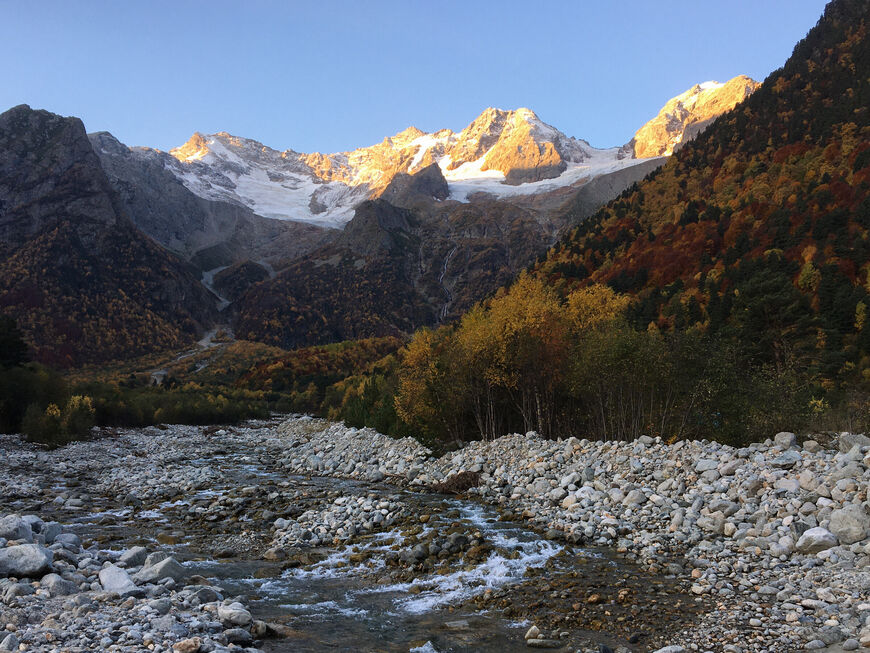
[(358, 597)]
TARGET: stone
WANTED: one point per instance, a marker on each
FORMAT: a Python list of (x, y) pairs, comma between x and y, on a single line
[(168, 568), (234, 614), (705, 465), (134, 557), (849, 440), (815, 540), (850, 524), (543, 643), (635, 498), (13, 527), (191, 645), (713, 523), (787, 459), (50, 531), (115, 579), (785, 440), (673, 648), (153, 558), (29, 560), (70, 541), (812, 446), (533, 633), (57, 586), (9, 643), (238, 636)]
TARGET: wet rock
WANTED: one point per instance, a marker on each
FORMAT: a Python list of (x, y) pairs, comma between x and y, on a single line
[(234, 614), (166, 568)]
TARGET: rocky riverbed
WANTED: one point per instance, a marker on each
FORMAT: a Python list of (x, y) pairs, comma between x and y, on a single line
[(305, 534)]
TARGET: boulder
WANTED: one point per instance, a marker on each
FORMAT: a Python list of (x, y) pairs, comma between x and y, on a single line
[(57, 586), (115, 579), (785, 440), (30, 560), (787, 459), (134, 557), (69, 541), (705, 465), (815, 540), (14, 527), (849, 440), (234, 614), (850, 524), (168, 568)]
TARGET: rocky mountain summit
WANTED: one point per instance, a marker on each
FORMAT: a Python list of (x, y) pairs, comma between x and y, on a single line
[(688, 114), (501, 153)]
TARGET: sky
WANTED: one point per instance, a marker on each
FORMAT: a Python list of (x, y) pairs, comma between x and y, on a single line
[(331, 76)]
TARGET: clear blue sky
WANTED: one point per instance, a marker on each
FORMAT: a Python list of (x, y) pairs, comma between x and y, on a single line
[(330, 76)]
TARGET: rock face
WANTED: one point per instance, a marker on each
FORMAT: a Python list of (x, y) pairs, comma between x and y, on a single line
[(497, 149), (25, 560), (207, 232), (82, 282), (688, 114)]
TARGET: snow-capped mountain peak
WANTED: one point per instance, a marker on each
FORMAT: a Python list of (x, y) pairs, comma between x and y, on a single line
[(500, 153)]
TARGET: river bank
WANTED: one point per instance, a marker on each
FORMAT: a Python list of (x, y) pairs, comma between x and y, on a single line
[(623, 545)]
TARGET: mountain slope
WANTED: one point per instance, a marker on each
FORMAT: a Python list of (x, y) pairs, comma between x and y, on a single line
[(761, 226), (82, 282), (208, 233)]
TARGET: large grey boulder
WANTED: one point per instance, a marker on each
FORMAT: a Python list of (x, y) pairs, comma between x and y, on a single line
[(234, 614), (850, 524), (168, 568), (787, 459), (15, 527), (785, 440), (849, 440), (115, 579), (30, 560), (815, 540), (134, 557), (58, 586)]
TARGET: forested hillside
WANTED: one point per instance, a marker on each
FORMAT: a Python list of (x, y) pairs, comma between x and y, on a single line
[(724, 296), (759, 228)]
